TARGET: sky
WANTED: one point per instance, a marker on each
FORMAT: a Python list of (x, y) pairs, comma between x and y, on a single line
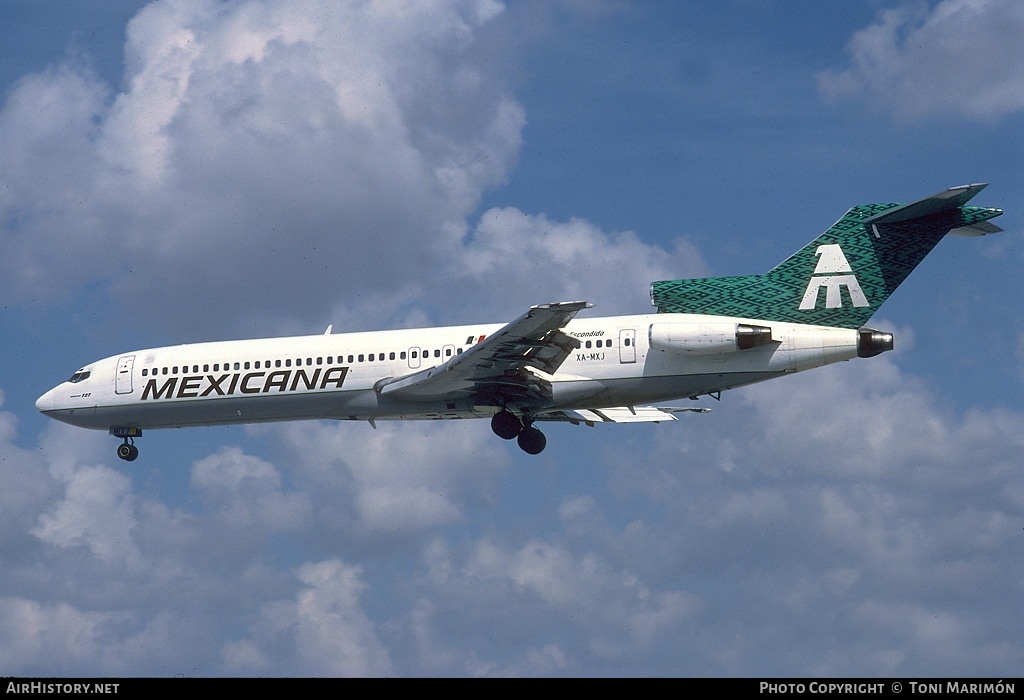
[(192, 170)]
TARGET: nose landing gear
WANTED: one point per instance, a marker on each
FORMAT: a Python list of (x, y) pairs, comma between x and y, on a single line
[(127, 450), (508, 425)]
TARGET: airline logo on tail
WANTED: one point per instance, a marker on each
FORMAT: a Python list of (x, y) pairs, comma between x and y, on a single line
[(833, 272)]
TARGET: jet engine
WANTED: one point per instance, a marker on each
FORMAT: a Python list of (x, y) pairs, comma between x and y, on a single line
[(708, 338)]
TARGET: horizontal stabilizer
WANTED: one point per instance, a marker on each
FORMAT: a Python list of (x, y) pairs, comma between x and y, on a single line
[(947, 200), (619, 414), (980, 228)]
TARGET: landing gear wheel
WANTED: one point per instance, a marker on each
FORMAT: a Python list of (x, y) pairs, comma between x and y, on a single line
[(532, 441), (506, 424), (127, 451)]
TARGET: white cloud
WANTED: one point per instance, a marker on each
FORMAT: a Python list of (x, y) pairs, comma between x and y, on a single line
[(960, 57), (97, 511), (264, 152), (245, 494), (762, 538), (281, 163), (531, 259), (51, 639), (323, 631), (846, 489), (396, 480), (577, 602)]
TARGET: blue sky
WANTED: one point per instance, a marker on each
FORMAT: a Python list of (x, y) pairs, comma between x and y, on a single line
[(183, 171)]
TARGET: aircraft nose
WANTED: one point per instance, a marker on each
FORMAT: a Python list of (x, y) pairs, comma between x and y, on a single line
[(45, 402)]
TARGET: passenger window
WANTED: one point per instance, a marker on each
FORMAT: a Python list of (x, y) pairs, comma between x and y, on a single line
[(401, 355), (588, 343), (237, 366), (144, 372), (437, 353), (360, 358), (206, 368), (448, 352), (319, 360), (247, 365), (391, 356)]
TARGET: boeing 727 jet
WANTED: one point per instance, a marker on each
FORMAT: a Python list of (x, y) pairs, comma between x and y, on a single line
[(708, 335)]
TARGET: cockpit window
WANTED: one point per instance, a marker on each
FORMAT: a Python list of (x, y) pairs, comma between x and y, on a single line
[(79, 376)]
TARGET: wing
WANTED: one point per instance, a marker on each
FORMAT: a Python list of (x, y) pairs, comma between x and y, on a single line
[(619, 414), (503, 367)]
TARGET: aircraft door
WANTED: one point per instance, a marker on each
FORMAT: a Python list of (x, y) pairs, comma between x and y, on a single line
[(123, 375), (414, 358), (627, 345)]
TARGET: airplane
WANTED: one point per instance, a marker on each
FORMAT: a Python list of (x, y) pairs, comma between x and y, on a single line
[(707, 336)]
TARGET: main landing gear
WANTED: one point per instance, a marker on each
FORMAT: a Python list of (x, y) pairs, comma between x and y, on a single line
[(508, 425), (127, 450)]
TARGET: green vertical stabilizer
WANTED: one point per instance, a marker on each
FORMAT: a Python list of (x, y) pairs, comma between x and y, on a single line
[(841, 278)]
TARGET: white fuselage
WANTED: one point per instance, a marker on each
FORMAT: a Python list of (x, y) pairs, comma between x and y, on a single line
[(340, 376)]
